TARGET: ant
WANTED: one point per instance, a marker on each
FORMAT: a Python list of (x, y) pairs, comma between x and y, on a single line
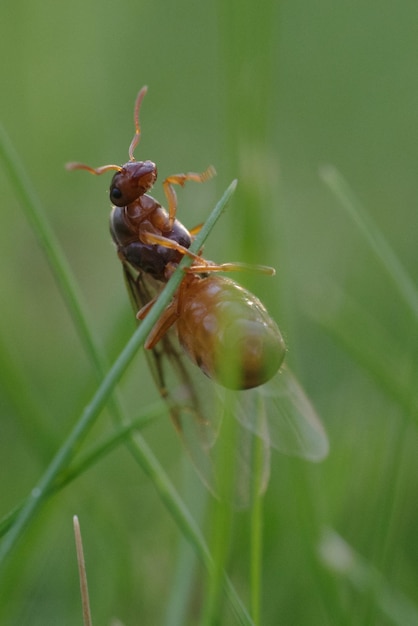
[(215, 318), (223, 328)]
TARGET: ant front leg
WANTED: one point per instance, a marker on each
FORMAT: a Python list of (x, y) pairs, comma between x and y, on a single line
[(180, 179)]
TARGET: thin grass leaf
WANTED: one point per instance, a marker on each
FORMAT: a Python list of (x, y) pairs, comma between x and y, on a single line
[(391, 365), (102, 449), (257, 531), (339, 556), (57, 261), (183, 583), (189, 527), (383, 251), (85, 599), (17, 391), (221, 522), (90, 458)]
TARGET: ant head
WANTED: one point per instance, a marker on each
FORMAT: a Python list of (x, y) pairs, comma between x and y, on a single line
[(132, 180)]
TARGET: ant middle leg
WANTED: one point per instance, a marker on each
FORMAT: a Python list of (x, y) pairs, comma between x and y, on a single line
[(207, 267), (158, 240)]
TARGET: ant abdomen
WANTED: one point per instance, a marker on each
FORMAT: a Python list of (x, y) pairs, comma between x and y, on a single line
[(228, 332)]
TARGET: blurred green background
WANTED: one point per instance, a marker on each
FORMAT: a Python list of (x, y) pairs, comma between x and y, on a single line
[(268, 93)]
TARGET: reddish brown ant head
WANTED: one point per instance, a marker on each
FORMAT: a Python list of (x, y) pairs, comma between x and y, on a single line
[(133, 180)]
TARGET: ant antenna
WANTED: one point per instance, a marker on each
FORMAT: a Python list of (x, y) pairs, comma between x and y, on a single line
[(137, 135), (93, 170), (106, 168)]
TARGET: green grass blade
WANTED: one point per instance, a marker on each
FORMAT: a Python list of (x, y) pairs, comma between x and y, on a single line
[(63, 275), (221, 518), (191, 531), (90, 458), (372, 346), (339, 557), (256, 533), (183, 581), (373, 236)]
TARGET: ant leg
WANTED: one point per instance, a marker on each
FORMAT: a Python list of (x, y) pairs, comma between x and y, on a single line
[(159, 240), (180, 179), (143, 311), (196, 229), (163, 324), (168, 317), (208, 266), (201, 265)]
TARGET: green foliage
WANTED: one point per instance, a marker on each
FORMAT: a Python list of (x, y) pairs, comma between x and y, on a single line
[(268, 94)]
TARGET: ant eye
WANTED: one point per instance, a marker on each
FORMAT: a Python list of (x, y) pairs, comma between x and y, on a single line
[(115, 193)]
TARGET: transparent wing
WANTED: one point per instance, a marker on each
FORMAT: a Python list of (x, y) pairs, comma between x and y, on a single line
[(277, 414), (232, 461), (187, 393), (293, 426)]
